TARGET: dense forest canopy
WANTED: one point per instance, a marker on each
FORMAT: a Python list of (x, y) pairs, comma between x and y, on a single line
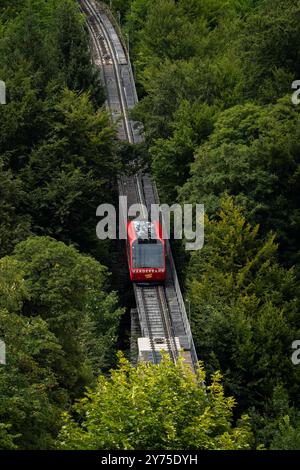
[(58, 315), (214, 79), (215, 82), (167, 404)]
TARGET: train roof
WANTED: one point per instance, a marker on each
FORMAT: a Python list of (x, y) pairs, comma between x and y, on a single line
[(144, 230)]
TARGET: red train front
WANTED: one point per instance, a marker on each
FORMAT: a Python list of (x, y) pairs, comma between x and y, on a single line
[(146, 252)]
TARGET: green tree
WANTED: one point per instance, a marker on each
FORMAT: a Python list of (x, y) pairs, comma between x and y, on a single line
[(253, 154), (6, 439), (72, 54), (43, 49), (215, 86), (14, 225), (69, 170), (171, 158), (119, 6), (278, 427), (269, 48), (58, 147), (155, 407), (59, 325), (69, 291), (58, 316), (30, 398), (245, 309)]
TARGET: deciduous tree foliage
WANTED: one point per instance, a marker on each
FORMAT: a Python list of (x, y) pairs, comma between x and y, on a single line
[(214, 79), (30, 396), (245, 309), (72, 172), (59, 325), (279, 426), (63, 287), (14, 226), (154, 407), (253, 153), (219, 121), (56, 141), (58, 316)]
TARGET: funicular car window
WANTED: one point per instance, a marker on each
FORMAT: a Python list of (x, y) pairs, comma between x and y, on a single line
[(148, 255)]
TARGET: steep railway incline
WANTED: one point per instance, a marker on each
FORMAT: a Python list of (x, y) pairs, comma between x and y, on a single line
[(161, 310)]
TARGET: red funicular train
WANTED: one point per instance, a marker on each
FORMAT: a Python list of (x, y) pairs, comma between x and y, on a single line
[(146, 251)]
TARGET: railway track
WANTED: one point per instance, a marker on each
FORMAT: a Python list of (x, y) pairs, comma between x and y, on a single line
[(161, 309)]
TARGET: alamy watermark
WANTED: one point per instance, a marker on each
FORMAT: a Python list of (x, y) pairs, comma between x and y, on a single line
[(296, 344), (186, 225), (2, 352), (296, 353), (296, 94), (2, 101), (2, 92)]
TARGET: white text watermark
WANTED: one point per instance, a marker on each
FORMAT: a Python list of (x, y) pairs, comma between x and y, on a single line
[(2, 352), (296, 353), (296, 94), (2, 92), (179, 222)]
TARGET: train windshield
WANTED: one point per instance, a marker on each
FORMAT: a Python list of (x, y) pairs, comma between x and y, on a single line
[(148, 255)]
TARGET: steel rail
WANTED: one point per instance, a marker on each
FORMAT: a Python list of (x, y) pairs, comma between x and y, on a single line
[(102, 29), (97, 27)]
